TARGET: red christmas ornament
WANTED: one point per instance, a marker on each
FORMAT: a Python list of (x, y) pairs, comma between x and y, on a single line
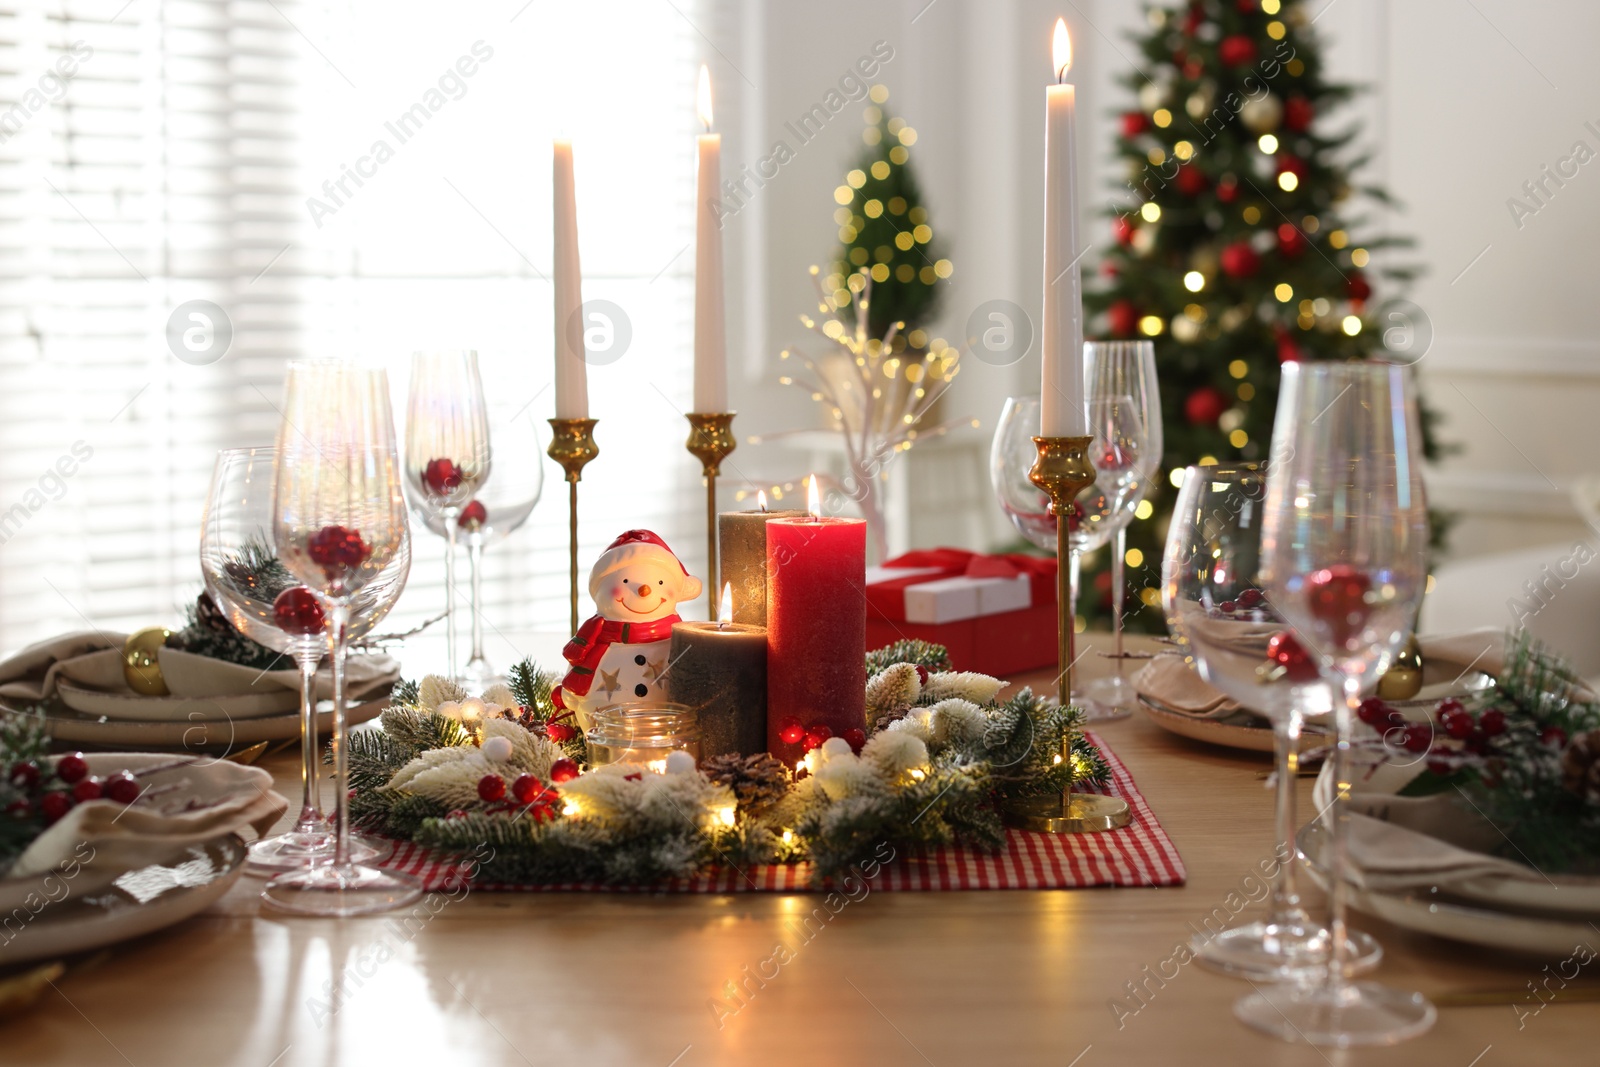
[(817, 733), (1122, 229), (442, 476), (20, 808), (1337, 598), (1193, 68), (297, 612), (337, 548), (491, 787), (1191, 181), (1418, 737), (856, 738), (1297, 114), (922, 675), (1237, 51), (122, 787), (473, 516), (563, 770), (1251, 598), (1228, 189), (1357, 288), (55, 805), (1205, 405), (790, 732), (1239, 260), (1249, 7), (72, 767), (1373, 712), (1122, 318), (1109, 269), (1288, 348), (1134, 123), (1193, 19), (88, 789), (1554, 736), (1288, 164), (526, 788), (24, 775), (1291, 242), (1286, 652)]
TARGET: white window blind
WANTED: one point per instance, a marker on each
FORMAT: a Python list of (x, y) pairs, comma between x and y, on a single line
[(230, 152)]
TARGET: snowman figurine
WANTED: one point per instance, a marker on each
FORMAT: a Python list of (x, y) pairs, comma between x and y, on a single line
[(619, 656)]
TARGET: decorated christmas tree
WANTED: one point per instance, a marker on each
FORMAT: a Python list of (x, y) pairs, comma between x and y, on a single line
[(1235, 241)]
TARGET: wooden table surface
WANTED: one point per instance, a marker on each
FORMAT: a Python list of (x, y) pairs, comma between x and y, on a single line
[(896, 978)]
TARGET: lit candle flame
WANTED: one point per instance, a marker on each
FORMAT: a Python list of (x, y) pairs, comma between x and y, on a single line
[(1061, 47), (761, 498), (702, 98), (813, 499), (725, 609)]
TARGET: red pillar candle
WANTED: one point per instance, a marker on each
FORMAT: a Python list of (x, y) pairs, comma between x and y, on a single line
[(816, 632)]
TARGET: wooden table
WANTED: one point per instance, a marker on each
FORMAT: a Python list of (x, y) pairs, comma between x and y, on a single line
[(896, 978)]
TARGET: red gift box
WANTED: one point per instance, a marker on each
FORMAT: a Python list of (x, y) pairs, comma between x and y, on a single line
[(995, 614)]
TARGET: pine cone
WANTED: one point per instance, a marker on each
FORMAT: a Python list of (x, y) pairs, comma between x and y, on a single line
[(1580, 767), (757, 781), (210, 617)]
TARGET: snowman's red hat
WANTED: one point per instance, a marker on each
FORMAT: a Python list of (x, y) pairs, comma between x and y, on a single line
[(630, 547)]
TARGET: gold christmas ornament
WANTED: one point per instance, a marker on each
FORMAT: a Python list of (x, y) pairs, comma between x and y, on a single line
[(141, 661), (1262, 115)]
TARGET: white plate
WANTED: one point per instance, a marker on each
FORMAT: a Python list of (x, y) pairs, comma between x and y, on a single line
[(134, 708), (139, 902), (76, 728), (1431, 913), (1240, 730)]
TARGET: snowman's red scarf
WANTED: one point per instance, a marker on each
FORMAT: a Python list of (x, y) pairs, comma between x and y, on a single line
[(589, 645)]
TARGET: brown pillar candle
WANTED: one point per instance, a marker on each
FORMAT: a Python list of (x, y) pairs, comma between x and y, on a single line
[(742, 553), (720, 670)]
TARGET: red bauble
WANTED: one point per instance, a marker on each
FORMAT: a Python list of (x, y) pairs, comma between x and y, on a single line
[(1249, 7), (1418, 737), (1297, 114), (1285, 651), (1205, 405), (473, 516), (1191, 181), (1291, 242), (55, 805), (1288, 164), (491, 787), (1356, 287), (297, 612), (1228, 189), (72, 767), (817, 733), (1251, 598), (1237, 51), (337, 548), (1122, 318), (525, 789), (88, 789), (1337, 598), (856, 738), (1122, 228), (790, 732), (563, 770), (441, 476), (24, 775), (558, 730), (1193, 19), (1288, 347), (122, 787), (1373, 712), (1239, 260), (1134, 123)]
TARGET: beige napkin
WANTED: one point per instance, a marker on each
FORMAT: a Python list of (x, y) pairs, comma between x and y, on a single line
[(1387, 857), (93, 660), (1169, 681)]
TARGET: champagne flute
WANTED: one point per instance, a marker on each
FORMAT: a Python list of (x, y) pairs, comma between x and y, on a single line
[(501, 505), (447, 453), (339, 518), (262, 600), (1098, 510), (1232, 635), (1125, 368), (1344, 549)]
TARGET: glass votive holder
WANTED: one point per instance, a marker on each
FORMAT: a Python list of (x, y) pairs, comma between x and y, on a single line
[(645, 734)]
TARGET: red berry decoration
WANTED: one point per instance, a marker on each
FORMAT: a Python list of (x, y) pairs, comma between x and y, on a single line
[(442, 477), (817, 733), (1228, 189), (1191, 180), (856, 738), (1237, 50), (1554, 736), (1291, 242), (1418, 737), (72, 767), (1205, 406), (296, 611), (1457, 723), (1134, 123), (491, 787), (20, 808), (1239, 260), (1373, 712), (1440, 766), (1286, 652), (473, 516), (1297, 114), (1492, 722), (24, 775), (122, 787), (1357, 288), (1250, 598), (88, 789), (1227, 607), (923, 675), (560, 732), (1337, 598), (1122, 318), (337, 548), (55, 805), (525, 788), (1122, 228), (563, 770), (790, 732)]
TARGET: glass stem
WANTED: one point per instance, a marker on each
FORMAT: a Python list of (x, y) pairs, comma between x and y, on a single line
[(1338, 887), (475, 561), (450, 516), (1072, 594), (338, 634), (1285, 906), (307, 655), (1118, 583)]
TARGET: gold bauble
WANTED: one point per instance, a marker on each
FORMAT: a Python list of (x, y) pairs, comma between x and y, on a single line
[(141, 661), (1403, 680), (1262, 114)]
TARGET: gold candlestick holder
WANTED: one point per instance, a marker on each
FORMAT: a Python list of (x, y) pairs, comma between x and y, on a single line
[(1062, 471), (573, 447), (710, 440)]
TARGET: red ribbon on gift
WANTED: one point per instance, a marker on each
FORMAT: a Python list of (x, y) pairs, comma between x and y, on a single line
[(888, 597)]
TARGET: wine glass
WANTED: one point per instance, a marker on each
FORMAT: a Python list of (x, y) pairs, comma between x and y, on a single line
[(501, 505), (1344, 551), (1211, 590), (339, 519), (447, 453), (1125, 368), (262, 600), (1099, 508)]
